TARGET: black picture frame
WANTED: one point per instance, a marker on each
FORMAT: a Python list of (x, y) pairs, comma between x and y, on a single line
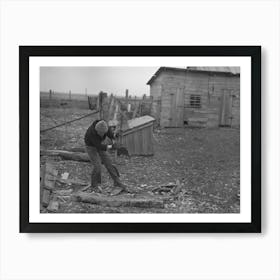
[(254, 52)]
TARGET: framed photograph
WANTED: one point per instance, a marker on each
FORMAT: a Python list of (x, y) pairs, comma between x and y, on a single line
[(140, 139)]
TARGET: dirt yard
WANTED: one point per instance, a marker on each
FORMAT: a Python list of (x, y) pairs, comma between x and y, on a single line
[(204, 161)]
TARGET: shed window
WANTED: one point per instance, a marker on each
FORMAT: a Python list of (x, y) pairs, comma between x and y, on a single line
[(195, 101)]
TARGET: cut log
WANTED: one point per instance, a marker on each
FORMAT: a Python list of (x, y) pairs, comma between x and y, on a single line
[(121, 200), (66, 155), (78, 149)]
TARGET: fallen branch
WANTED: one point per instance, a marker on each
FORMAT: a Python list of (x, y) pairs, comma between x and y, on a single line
[(117, 201)]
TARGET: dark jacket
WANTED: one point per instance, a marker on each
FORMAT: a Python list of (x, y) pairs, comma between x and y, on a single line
[(93, 139)]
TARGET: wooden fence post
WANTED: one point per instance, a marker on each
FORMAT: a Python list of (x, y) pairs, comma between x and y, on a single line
[(126, 98), (103, 106)]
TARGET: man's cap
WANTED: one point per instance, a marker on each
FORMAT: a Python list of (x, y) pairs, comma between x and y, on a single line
[(101, 127)]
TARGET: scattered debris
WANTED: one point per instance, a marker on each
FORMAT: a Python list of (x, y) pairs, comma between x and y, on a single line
[(170, 188), (64, 176)]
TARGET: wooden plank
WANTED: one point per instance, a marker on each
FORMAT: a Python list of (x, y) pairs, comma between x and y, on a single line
[(179, 107), (50, 170), (46, 197), (225, 109), (120, 200), (145, 143), (42, 178), (53, 206), (49, 181)]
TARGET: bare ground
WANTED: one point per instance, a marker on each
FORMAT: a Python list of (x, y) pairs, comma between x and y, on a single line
[(205, 161)]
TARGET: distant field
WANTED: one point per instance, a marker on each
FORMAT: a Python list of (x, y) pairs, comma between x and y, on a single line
[(59, 100), (80, 101), (65, 95)]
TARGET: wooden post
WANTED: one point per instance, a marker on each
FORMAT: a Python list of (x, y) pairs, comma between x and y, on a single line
[(86, 92), (69, 94), (111, 108), (99, 103), (103, 102), (65, 119), (140, 108), (50, 94), (135, 110), (126, 98), (115, 118), (144, 96)]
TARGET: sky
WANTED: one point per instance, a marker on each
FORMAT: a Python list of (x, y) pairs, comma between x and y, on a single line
[(95, 79)]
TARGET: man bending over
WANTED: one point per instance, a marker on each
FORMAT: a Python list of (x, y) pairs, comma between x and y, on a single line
[(96, 150)]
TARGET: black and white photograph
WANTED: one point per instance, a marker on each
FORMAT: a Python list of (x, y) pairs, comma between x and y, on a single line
[(140, 139)]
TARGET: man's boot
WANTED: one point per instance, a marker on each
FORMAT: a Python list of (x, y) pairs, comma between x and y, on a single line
[(119, 188)]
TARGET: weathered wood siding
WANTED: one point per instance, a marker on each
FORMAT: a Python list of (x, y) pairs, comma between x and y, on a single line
[(172, 105), (172, 110), (211, 88), (155, 93), (139, 141)]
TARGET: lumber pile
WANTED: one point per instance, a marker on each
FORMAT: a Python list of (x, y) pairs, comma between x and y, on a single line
[(120, 200)]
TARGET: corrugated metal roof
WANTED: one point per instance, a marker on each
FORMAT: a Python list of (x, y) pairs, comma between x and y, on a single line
[(217, 69), (222, 69), (139, 121)]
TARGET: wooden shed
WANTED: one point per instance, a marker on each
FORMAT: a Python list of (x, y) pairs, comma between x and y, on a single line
[(137, 137), (196, 96)]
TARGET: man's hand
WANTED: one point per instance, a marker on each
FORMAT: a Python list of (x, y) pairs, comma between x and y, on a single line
[(116, 145)]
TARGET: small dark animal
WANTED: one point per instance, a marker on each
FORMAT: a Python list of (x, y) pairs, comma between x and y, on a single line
[(122, 151)]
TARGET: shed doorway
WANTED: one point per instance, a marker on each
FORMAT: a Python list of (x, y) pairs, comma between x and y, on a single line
[(225, 117), (176, 118)]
